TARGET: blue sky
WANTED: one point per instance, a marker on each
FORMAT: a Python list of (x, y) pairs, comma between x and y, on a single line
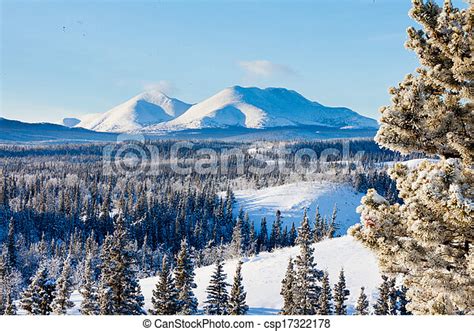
[(61, 58)]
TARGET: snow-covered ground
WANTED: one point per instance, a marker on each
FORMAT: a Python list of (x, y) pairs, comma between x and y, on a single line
[(262, 274), (410, 163), (292, 199)]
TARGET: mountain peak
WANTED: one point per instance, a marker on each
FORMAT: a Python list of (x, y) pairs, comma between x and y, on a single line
[(147, 108), (253, 107)]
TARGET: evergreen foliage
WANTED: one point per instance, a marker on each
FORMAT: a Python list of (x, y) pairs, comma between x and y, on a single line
[(237, 304), (217, 302)]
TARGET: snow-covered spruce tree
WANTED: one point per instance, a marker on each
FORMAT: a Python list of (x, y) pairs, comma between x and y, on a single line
[(37, 298), (10, 306), (119, 292), (217, 302), (11, 246), (325, 299), (429, 237), (362, 306), (307, 276), (276, 232), (237, 304), (104, 292), (332, 226), (64, 288), (402, 301), (318, 226), (88, 290), (165, 295), (392, 298), (287, 290), (3, 284), (184, 280), (236, 243), (263, 236), (382, 306), (340, 295)]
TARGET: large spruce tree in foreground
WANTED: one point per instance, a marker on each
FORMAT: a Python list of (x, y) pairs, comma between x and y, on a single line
[(119, 292), (307, 276), (287, 290), (325, 299), (237, 304), (184, 279), (88, 290), (429, 238), (37, 298), (341, 293), (165, 296), (64, 288), (217, 296), (362, 306)]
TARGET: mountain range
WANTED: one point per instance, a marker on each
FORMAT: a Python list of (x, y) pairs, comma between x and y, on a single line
[(241, 107), (235, 113)]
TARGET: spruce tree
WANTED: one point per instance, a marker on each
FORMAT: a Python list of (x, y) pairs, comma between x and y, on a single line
[(362, 307), (332, 228), (90, 301), (402, 301), (381, 307), (292, 236), (237, 304), (63, 290), (253, 240), (246, 243), (428, 237), (11, 246), (104, 293), (307, 290), (340, 295), (184, 279), (3, 284), (263, 236), (288, 290), (325, 299), (217, 302), (318, 226), (119, 290), (275, 234), (165, 296), (10, 307), (392, 297), (37, 298), (236, 243)]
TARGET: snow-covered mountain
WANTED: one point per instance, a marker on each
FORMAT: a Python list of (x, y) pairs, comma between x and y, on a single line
[(145, 109), (252, 107)]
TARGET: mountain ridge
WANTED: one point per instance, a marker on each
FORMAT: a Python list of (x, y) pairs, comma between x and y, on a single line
[(235, 106), (257, 108)]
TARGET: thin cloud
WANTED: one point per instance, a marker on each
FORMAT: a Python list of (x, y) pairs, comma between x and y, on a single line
[(265, 69), (163, 86)]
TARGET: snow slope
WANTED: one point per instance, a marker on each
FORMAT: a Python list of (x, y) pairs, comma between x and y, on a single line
[(252, 107), (262, 274), (147, 108), (292, 199)]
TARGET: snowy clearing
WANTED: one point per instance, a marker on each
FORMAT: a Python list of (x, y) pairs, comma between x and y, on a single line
[(292, 199), (262, 274)]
